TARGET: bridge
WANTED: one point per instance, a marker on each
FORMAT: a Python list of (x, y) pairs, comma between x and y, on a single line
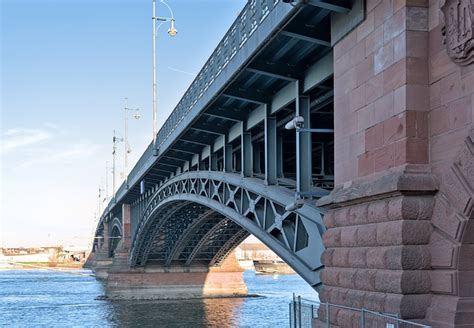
[(340, 134)]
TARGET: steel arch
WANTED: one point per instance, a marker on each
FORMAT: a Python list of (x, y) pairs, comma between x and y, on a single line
[(256, 207)]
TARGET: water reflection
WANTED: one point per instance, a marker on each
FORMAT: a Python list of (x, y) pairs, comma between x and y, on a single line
[(45, 298)]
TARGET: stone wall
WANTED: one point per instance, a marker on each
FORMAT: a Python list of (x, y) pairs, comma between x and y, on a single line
[(399, 235)]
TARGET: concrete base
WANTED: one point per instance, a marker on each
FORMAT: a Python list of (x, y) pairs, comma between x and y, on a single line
[(174, 285)]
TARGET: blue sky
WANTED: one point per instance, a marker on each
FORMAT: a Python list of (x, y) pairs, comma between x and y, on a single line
[(66, 67)]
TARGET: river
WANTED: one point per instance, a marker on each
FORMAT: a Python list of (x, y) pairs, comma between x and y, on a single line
[(46, 298)]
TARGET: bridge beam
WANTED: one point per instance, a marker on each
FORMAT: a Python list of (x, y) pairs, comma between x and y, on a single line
[(270, 151)]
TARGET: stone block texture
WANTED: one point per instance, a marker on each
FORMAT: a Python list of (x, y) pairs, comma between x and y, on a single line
[(400, 222)]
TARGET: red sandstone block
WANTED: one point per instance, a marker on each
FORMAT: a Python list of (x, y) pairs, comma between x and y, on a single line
[(345, 83), (365, 70), (442, 282), (357, 257), (394, 128), (330, 277), (383, 159), (395, 76), (445, 147), (384, 57), (341, 217), (365, 280), (439, 120), (457, 194), (366, 27), (357, 142), (355, 298), (417, 19), (409, 306), (467, 82), (348, 236), (367, 235), (347, 278), (326, 257), (388, 281), (460, 112), (440, 66), (365, 164), (435, 40), (435, 95), (357, 53), (465, 257), (340, 257), (403, 233), (375, 302), (394, 25), (417, 151), (417, 71), (374, 137), (466, 280), (358, 98), (365, 117), (374, 41), (378, 211), (328, 219), (332, 237), (382, 12), (358, 214), (451, 87), (371, 4), (384, 107), (399, 4), (376, 257), (346, 44), (342, 65), (417, 44), (445, 219), (375, 88)]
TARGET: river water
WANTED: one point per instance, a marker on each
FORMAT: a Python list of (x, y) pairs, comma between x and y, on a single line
[(45, 298)]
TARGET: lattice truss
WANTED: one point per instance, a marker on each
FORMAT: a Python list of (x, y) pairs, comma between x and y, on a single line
[(200, 217)]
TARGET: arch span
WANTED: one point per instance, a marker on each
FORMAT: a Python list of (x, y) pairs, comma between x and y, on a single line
[(221, 209)]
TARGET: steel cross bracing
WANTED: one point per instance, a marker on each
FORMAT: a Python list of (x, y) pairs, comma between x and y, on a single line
[(223, 165), (239, 207)]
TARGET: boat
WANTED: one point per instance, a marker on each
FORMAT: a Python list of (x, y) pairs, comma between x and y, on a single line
[(272, 267)]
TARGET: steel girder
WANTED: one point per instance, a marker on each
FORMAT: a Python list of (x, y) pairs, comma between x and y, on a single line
[(255, 207)]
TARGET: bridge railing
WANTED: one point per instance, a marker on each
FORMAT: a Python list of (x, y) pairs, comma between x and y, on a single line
[(254, 12), (247, 22), (309, 313)]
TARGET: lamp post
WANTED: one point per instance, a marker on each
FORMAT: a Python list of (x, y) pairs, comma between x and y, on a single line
[(115, 140), (171, 32), (126, 144)]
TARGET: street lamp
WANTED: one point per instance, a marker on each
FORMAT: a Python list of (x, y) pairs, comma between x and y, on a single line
[(127, 149), (171, 32), (115, 140)]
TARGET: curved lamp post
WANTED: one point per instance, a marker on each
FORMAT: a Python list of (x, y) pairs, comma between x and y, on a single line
[(171, 32)]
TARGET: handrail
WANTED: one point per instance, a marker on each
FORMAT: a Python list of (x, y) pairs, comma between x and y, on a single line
[(246, 23)]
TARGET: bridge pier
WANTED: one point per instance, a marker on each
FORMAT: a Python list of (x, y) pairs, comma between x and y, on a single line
[(155, 282)]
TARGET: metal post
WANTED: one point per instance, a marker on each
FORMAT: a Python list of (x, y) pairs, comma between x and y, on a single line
[(323, 173), (362, 318), (270, 151), (227, 157), (125, 144), (154, 68), (303, 147), (256, 158), (279, 155), (299, 311), (328, 323), (247, 154), (114, 148)]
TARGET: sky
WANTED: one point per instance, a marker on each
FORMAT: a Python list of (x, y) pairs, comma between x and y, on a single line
[(66, 67)]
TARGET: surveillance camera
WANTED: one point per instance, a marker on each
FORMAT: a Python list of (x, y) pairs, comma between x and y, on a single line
[(296, 123), (298, 203)]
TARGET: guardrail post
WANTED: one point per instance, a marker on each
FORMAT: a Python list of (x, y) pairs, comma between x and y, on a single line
[(299, 312), (328, 323), (362, 318)]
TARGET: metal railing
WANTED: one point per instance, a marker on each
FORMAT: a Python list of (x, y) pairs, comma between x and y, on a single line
[(247, 22), (304, 313)]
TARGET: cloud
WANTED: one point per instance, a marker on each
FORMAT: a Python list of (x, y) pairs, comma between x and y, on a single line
[(16, 138)]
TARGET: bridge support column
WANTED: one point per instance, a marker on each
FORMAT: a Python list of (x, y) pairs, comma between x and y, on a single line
[(177, 282), (271, 159), (101, 262), (399, 222)]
